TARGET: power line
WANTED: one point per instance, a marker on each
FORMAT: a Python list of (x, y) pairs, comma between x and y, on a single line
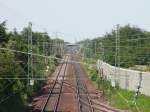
[(30, 63), (38, 55)]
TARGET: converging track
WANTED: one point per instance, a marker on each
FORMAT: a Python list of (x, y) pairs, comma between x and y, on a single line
[(52, 101), (69, 90), (86, 102), (52, 90), (82, 92)]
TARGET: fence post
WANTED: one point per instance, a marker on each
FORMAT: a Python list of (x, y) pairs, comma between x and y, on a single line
[(138, 88)]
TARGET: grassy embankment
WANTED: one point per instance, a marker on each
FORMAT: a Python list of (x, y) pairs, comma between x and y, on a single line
[(116, 95)]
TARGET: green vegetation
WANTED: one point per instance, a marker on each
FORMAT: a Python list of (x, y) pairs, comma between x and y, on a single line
[(134, 47), (142, 101), (143, 68), (116, 96), (134, 54), (15, 93)]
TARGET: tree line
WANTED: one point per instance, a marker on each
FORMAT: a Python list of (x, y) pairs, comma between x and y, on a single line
[(134, 46), (15, 92)]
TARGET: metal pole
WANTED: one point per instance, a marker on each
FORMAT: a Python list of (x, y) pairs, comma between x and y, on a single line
[(30, 24), (28, 59), (95, 49), (117, 55), (30, 62)]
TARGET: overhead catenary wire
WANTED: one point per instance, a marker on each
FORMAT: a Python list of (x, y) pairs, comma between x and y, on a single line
[(39, 55)]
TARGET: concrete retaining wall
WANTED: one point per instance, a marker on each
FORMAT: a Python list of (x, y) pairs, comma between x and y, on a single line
[(127, 79)]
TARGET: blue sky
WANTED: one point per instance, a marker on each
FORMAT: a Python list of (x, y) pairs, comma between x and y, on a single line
[(75, 19)]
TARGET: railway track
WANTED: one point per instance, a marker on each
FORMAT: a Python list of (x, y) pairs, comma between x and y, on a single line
[(78, 88), (82, 92), (52, 101), (85, 101)]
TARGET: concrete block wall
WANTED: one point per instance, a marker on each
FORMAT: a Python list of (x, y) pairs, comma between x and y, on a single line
[(127, 79)]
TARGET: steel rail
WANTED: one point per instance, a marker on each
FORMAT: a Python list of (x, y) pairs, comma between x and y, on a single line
[(81, 85), (62, 83), (51, 90)]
